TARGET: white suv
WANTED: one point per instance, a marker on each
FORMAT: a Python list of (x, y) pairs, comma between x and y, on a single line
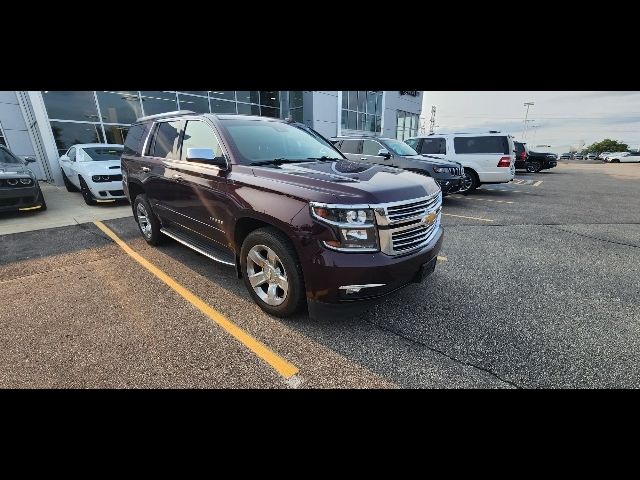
[(486, 157)]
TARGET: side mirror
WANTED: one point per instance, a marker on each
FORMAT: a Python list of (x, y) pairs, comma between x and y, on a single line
[(205, 155), (29, 160), (383, 152), (64, 158)]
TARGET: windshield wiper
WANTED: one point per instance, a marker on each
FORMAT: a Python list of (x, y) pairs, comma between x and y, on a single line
[(324, 158), (277, 161)]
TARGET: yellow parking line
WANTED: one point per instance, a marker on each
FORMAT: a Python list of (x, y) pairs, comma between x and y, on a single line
[(279, 364), (471, 218), (442, 259)]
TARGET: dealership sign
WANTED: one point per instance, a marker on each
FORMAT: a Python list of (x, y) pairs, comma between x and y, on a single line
[(413, 93)]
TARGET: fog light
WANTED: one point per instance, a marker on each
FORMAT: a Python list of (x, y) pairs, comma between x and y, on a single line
[(355, 234)]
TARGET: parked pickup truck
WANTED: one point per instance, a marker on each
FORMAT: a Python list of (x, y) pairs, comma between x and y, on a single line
[(277, 201)]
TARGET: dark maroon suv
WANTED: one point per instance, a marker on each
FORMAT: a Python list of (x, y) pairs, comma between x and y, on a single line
[(299, 222)]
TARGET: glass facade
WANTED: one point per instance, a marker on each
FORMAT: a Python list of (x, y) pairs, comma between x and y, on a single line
[(407, 125), (362, 110), (296, 105), (102, 116), (3, 140)]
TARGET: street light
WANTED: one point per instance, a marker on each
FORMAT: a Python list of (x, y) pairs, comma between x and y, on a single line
[(526, 104)]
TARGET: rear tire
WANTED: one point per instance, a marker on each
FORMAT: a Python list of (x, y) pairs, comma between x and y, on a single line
[(534, 167), (86, 193), (270, 259), (147, 221), (67, 183), (470, 181)]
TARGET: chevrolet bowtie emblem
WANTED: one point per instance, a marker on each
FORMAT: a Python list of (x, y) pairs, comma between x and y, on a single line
[(430, 219)]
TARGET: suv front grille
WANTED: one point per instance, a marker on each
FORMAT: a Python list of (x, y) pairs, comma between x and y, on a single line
[(410, 239), (456, 171), (403, 228), (411, 210)]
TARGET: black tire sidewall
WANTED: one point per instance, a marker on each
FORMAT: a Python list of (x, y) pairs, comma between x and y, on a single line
[(474, 181), (280, 244), (156, 236), (86, 193)]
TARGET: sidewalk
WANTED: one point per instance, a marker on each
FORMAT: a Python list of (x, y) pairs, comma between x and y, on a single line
[(63, 208)]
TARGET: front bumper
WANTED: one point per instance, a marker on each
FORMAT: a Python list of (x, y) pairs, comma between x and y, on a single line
[(107, 190), (449, 185), (550, 164), (330, 270), (14, 199)]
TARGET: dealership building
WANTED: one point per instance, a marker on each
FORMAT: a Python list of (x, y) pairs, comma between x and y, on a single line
[(44, 124)]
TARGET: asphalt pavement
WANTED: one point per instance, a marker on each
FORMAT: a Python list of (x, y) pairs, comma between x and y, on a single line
[(538, 287)]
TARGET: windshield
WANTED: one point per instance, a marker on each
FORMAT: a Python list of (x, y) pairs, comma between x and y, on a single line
[(101, 154), (259, 141), (8, 157), (398, 147)]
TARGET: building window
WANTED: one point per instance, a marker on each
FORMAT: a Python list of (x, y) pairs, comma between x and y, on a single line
[(362, 110), (3, 139), (68, 134), (296, 106), (103, 116), (407, 124)]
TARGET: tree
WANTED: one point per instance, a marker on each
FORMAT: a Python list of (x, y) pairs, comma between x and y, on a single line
[(607, 145)]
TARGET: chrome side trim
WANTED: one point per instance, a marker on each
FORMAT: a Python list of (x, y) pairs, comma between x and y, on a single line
[(357, 288), (193, 247)]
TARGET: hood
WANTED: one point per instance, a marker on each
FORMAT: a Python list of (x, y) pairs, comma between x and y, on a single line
[(109, 167), (344, 181), (13, 169), (435, 161)]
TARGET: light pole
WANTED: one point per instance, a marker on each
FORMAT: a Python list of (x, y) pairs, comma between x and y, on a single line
[(524, 133)]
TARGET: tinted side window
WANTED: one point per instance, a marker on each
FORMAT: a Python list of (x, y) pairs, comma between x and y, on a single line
[(412, 142), (492, 144), (135, 139), (432, 146), (369, 147), (165, 142), (199, 135), (351, 146)]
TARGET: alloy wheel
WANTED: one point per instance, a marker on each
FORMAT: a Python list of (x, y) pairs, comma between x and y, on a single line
[(143, 220), (267, 275)]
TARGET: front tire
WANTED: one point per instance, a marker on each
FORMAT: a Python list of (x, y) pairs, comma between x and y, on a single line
[(86, 193), (272, 272), (147, 221), (67, 183), (470, 181)]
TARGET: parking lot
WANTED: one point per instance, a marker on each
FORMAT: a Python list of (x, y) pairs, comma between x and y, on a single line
[(537, 287)]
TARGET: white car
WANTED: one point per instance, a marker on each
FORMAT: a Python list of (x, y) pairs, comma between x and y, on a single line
[(94, 169), (486, 157), (623, 157)]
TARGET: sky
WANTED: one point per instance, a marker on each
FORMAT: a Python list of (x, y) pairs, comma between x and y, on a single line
[(560, 119)]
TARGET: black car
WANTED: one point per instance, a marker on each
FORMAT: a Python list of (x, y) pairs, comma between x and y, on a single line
[(394, 153), (19, 189), (533, 161)]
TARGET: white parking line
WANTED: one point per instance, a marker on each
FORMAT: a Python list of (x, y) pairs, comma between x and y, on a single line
[(483, 199), (538, 183), (470, 218)]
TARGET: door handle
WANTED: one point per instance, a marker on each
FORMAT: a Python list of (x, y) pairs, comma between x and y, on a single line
[(178, 177), (146, 169), (363, 158)]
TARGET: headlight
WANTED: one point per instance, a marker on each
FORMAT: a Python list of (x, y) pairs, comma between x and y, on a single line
[(354, 226), (440, 169), (343, 215), (25, 181), (12, 181), (101, 178)]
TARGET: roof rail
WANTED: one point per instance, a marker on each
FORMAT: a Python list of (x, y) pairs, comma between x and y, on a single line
[(166, 114)]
